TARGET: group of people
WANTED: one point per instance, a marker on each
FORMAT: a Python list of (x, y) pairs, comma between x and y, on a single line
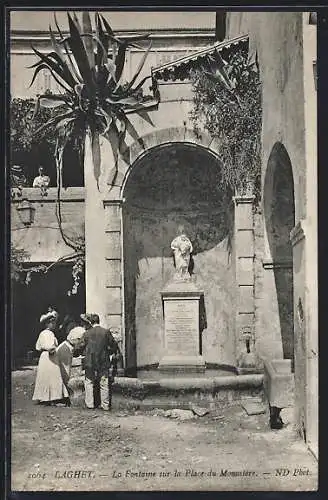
[(101, 353)]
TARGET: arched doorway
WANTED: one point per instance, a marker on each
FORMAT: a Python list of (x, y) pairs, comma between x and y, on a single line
[(171, 185), (279, 212), (28, 302)]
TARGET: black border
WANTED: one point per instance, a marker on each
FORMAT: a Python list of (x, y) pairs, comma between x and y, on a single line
[(178, 5)]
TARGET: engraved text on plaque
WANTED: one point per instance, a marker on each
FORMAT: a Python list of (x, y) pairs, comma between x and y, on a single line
[(181, 327)]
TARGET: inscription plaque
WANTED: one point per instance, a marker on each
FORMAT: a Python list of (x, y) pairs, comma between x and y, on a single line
[(181, 327)]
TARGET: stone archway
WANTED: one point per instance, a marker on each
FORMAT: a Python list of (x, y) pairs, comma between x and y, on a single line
[(279, 215), (139, 148), (225, 348), (174, 183)]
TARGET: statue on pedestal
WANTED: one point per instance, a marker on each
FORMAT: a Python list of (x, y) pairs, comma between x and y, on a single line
[(182, 248)]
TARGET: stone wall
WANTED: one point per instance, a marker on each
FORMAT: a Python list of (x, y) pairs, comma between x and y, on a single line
[(42, 240), (286, 47), (281, 73), (168, 44)]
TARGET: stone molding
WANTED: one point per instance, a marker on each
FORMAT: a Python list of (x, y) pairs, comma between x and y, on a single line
[(51, 194), (136, 151)]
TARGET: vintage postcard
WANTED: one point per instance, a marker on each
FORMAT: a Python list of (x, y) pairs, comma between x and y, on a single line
[(163, 180)]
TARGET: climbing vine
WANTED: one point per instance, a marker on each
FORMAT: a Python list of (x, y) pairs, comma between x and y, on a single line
[(18, 271), (23, 127), (233, 118)]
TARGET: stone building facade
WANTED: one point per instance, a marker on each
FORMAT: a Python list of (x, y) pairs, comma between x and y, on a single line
[(261, 281), (285, 44)]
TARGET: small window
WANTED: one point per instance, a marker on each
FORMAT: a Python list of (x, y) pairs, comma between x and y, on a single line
[(73, 172)]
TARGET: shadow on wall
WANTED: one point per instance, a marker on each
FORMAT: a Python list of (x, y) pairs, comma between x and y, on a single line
[(146, 273), (279, 212)]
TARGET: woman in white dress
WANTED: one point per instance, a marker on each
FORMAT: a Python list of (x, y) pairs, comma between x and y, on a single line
[(49, 386)]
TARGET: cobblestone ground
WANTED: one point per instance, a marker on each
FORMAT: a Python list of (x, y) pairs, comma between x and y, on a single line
[(73, 449)]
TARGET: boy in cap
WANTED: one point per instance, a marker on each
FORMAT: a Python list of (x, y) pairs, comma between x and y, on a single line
[(100, 347), (18, 178)]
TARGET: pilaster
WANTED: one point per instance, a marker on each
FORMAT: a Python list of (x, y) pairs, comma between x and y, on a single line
[(113, 270), (244, 262)]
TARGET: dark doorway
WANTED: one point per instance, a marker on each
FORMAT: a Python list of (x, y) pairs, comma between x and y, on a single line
[(30, 301)]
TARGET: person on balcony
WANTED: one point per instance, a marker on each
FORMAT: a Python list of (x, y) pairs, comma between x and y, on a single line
[(42, 180), (18, 178), (100, 354)]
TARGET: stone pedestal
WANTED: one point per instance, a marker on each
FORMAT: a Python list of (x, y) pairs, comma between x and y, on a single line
[(182, 343)]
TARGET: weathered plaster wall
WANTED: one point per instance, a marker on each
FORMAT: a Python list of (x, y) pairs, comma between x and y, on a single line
[(42, 239), (277, 37), (119, 20), (300, 326), (268, 333), (168, 44), (286, 46)]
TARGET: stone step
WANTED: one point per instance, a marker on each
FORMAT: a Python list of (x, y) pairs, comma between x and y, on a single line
[(177, 392)]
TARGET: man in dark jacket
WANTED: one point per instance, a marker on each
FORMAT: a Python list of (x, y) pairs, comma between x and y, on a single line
[(100, 350)]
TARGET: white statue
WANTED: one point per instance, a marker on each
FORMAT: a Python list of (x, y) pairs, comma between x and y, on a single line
[(182, 248)]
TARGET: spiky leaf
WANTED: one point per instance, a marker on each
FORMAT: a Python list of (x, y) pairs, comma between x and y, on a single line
[(76, 44), (139, 68), (45, 102), (88, 42)]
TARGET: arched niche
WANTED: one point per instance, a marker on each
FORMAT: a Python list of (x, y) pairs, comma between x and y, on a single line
[(177, 183)]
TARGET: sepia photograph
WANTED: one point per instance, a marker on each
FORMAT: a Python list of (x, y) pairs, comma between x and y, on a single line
[(162, 175)]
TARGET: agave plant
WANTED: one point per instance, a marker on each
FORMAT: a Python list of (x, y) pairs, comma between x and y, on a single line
[(88, 66)]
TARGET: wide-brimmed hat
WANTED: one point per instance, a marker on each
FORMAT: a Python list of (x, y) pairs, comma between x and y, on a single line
[(76, 334), (47, 316), (86, 318), (17, 169)]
